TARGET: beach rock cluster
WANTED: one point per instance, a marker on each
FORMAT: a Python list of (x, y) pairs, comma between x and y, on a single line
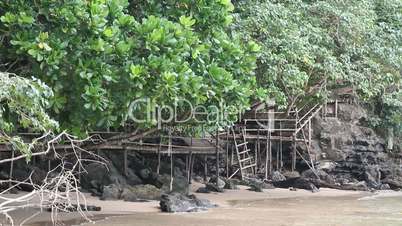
[(213, 185), (253, 184), (137, 183), (21, 172)]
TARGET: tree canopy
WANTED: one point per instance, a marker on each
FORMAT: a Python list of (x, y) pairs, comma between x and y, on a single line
[(99, 56), (312, 47)]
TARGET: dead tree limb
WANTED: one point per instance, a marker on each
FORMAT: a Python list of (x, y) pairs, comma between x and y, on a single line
[(59, 191)]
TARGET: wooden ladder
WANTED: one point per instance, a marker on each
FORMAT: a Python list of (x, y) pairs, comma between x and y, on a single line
[(245, 159)]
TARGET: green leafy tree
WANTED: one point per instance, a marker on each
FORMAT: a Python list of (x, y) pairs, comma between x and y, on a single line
[(311, 47), (98, 56)]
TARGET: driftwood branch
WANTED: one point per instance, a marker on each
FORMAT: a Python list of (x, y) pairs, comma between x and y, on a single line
[(59, 191)]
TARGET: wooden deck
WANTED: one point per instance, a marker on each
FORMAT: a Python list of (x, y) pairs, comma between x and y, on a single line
[(199, 147)]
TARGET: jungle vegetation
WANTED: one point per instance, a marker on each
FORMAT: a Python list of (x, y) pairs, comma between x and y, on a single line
[(76, 65)]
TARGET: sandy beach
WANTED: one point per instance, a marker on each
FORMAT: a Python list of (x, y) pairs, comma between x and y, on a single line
[(277, 207)]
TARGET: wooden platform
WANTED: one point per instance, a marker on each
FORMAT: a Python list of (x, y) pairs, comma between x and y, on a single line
[(200, 147)]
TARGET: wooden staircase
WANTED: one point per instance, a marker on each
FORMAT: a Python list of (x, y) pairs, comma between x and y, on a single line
[(293, 127), (306, 118)]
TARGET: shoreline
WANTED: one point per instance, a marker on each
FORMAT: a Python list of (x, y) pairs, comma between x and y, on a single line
[(231, 199), (281, 207)]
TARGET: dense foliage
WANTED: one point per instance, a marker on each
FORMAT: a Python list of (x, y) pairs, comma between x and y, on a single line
[(98, 56), (311, 47)]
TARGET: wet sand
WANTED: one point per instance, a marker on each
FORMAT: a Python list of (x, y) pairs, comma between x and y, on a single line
[(281, 207), (276, 207)]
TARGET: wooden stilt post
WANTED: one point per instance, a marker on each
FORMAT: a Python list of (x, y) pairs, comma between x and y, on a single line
[(171, 161), (188, 166), (49, 164), (191, 166), (79, 167), (11, 169), (267, 153), (205, 167), (227, 153), (277, 155), (280, 154), (336, 108), (257, 149), (125, 163), (190, 154), (171, 172), (294, 154), (158, 167), (217, 155), (309, 133), (270, 154), (231, 155), (280, 147)]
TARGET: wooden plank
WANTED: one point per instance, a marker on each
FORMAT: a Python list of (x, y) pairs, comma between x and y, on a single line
[(246, 159), (242, 144), (249, 166)]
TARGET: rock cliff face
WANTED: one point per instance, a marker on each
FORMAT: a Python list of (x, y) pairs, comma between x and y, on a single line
[(352, 153)]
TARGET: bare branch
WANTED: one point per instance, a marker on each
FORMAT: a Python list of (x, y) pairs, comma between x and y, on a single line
[(59, 191)]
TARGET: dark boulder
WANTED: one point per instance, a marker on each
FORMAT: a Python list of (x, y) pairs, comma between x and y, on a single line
[(36, 174), (278, 176), (231, 185), (218, 182), (359, 186), (394, 183), (290, 174), (285, 184), (128, 196), (306, 184), (98, 175), (140, 193), (318, 175), (132, 178), (384, 187), (179, 184), (95, 176), (256, 185), (176, 202), (372, 176), (213, 187), (203, 190), (145, 174), (111, 192)]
